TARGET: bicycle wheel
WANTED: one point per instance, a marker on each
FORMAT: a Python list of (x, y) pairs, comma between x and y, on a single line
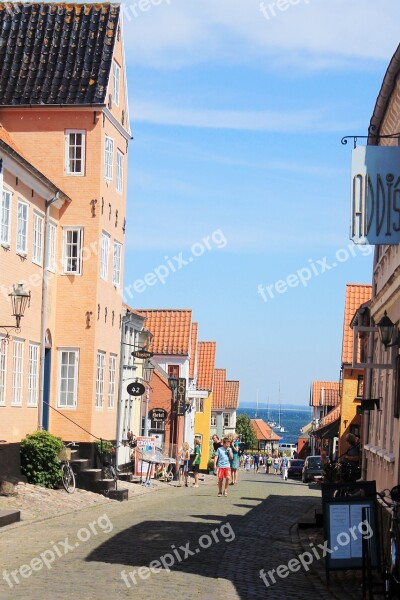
[(68, 478), (108, 472), (169, 476)]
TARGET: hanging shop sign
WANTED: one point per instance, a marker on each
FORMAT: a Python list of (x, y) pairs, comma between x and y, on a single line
[(375, 195), (136, 389), (158, 415), (142, 354), (181, 397)]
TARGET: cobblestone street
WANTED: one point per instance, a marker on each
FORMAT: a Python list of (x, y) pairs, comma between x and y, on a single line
[(96, 553)]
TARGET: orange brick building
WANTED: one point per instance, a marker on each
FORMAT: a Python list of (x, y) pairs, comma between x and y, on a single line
[(65, 105)]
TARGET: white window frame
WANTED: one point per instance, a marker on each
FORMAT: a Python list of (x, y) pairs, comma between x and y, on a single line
[(52, 247), (33, 374), (108, 157), (117, 254), (213, 420), (116, 82), (3, 371), (104, 255), (17, 372), (68, 146), (112, 369), (79, 244), (73, 361), (228, 417), (199, 405), (5, 218), (100, 365), (37, 239), (119, 185), (22, 232)]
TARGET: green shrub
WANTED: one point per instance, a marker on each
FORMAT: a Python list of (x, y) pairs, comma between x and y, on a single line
[(106, 445), (39, 462)]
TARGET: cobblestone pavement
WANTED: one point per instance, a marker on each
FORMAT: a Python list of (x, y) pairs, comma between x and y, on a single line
[(215, 547)]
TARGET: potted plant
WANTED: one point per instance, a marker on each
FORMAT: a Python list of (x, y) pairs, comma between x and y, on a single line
[(210, 467)]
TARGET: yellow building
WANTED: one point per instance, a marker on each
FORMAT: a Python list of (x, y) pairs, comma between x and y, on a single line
[(204, 383)]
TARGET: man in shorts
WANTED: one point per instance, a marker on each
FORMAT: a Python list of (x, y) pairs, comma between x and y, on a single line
[(223, 459)]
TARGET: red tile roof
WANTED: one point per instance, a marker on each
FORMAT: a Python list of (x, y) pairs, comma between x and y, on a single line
[(218, 397), (171, 329), (263, 431), (206, 365), (232, 394), (332, 416), (323, 393), (356, 294), (193, 349)]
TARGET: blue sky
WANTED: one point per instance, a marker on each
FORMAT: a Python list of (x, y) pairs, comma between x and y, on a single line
[(237, 120)]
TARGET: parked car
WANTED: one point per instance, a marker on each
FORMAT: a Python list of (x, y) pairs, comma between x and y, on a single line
[(313, 466), (295, 467)]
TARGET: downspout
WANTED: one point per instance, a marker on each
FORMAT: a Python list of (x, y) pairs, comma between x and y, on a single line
[(368, 393), (44, 307)]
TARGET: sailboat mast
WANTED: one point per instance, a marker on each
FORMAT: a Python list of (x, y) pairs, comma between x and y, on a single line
[(256, 407)]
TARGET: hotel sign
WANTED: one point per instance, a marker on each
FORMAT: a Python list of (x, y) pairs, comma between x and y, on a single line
[(181, 397), (375, 195)]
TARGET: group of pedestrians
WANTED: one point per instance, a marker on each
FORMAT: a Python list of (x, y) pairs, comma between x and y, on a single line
[(226, 461), (278, 464), (189, 462)]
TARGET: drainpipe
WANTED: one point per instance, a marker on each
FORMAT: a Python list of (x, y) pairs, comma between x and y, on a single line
[(368, 392), (44, 307)]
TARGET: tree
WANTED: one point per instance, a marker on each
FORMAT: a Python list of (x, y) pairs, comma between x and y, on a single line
[(245, 430)]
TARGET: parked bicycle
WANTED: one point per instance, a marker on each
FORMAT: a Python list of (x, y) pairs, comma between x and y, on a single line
[(67, 474), (164, 473), (391, 551)]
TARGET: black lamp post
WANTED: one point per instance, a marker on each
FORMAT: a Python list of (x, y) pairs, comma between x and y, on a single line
[(386, 331), (20, 299), (148, 369)]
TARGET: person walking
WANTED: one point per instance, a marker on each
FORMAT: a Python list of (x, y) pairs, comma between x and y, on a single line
[(284, 467), (247, 463), (268, 464), (222, 459), (276, 465), (184, 457), (256, 462), (235, 460), (196, 462)]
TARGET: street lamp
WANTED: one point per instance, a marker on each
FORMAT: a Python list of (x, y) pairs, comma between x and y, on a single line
[(148, 369), (20, 299), (386, 331)]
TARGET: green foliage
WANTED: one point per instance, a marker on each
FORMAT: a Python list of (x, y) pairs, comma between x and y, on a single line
[(106, 445), (39, 459), (245, 430)]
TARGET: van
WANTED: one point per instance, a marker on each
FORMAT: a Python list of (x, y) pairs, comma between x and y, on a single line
[(285, 446)]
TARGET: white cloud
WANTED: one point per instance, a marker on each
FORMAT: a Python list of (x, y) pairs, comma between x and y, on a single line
[(309, 34)]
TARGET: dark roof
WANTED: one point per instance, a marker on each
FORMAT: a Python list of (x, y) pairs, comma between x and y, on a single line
[(56, 53)]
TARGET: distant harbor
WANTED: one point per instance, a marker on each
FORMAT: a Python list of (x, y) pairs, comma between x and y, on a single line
[(292, 418)]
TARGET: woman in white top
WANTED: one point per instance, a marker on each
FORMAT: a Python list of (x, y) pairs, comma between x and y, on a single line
[(184, 457)]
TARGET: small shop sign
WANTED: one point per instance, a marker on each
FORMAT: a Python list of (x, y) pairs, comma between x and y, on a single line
[(158, 415)]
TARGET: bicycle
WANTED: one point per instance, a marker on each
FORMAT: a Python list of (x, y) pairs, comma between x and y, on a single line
[(391, 554), (67, 474), (164, 473)]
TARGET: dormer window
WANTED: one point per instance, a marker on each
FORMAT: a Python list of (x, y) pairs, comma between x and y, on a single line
[(75, 152), (116, 82)]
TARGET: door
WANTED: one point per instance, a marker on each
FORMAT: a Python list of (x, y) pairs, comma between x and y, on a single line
[(46, 388)]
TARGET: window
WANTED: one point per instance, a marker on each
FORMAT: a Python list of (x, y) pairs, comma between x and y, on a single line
[(75, 152), (120, 172), (226, 419), (5, 217), (157, 425), (37, 249), (111, 379), (22, 227), (199, 405), (100, 379), (68, 362), (213, 420), (51, 258), (3, 371), (108, 158), (73, 250), (33, 372), (116, 80), (17, 374), (173, 371), (117, 264), (105, 249), (360, 386)]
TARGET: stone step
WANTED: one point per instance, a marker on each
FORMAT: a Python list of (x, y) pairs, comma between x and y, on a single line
[(103, 486), (9, 516), (87, 478), (120, 495), (79, 464)]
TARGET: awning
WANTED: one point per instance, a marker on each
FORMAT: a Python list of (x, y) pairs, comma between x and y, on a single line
[(328, 431)]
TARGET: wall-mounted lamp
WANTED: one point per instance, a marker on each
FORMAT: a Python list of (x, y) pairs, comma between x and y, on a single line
[(20, 299), (387, 330)]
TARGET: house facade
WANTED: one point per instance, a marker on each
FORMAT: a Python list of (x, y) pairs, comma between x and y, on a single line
[(73, 125), (324, 398), (204, 385)]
